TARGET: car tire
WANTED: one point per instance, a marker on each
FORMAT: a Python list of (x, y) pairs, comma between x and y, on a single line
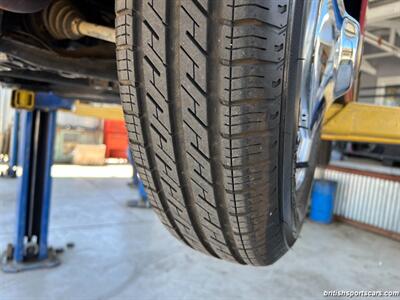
[(210, 93)]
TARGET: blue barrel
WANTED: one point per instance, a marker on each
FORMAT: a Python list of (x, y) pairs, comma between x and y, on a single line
[(322, 201)]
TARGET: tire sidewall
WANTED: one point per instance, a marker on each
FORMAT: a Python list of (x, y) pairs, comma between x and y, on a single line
[(293, 203)]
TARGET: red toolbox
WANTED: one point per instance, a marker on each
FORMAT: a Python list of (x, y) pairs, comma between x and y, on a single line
[(115, 139)]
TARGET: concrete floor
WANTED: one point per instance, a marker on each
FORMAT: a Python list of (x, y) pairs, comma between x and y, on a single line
[(125, 253)]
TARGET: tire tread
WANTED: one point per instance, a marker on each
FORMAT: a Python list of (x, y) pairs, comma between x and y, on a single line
[(201, 89)]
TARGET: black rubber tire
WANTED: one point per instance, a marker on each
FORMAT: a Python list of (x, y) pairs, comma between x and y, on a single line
[(210, 96)]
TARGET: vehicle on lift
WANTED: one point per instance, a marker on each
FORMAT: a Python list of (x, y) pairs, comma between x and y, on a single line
[(223, 100)]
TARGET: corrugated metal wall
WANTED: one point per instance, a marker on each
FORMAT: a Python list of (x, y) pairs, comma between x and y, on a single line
[(366, 199)]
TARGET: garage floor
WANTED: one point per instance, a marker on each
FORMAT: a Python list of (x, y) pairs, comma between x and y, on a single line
[(124, 253)]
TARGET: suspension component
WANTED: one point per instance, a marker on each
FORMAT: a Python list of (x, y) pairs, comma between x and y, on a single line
[(63, 21)]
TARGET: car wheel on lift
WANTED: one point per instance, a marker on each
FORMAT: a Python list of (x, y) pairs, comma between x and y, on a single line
[(210, 93)]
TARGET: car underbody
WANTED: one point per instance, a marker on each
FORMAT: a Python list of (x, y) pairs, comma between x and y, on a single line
[(35, 56), (38, 52)]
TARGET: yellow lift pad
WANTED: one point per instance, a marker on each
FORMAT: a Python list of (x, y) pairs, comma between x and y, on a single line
[(359, 122), (23, 99), (108, 112)]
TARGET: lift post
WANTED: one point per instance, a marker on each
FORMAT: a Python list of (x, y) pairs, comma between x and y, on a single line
[(30, 249)]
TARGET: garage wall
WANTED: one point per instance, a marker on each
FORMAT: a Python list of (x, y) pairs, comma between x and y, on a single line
[(366, 199)]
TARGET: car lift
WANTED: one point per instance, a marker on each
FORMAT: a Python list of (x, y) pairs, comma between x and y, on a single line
[(38, 114), (359, 122)]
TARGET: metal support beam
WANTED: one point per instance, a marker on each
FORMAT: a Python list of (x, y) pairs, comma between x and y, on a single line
[(386, 24), (376, 55), (382, 44), (30, 249), (383, 12), (392, 36), (368, 68), (357, 122)]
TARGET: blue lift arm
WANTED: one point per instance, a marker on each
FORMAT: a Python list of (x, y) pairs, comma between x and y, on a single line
[(38, 114)]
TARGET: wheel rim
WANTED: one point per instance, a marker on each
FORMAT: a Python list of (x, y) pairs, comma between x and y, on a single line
[(330, 54)]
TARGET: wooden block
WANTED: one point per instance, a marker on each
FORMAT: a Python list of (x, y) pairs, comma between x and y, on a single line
[(89, 154)]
